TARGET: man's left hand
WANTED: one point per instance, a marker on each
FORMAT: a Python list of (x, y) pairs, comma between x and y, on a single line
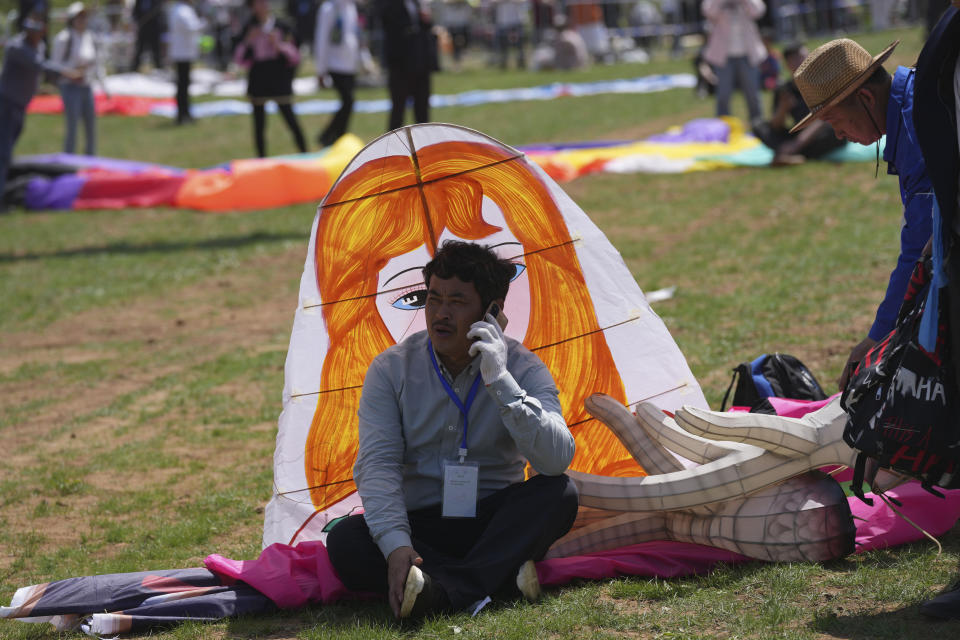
[(491, 345)]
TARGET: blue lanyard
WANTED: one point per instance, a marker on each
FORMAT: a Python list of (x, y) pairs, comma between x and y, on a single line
[(464, 407)]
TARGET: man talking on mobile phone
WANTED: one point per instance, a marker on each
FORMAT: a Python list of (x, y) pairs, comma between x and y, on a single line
[(449, 418)]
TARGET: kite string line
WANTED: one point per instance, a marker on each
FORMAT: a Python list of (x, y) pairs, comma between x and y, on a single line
[(636, 402), (583, 335), (322, 391), (385, 291), (544, 346), (319, 486), (913, 524)]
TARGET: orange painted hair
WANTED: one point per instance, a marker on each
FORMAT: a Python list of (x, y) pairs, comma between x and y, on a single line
[(358, 235)]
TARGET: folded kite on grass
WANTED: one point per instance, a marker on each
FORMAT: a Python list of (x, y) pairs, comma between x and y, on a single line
[(62, 181)]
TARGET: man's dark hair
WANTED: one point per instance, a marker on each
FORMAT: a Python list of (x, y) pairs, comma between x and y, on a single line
[(792, 49), (878, 77), (474, 263)]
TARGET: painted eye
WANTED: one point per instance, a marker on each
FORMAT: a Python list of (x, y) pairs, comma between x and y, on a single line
[(411, 300), (519, 269)]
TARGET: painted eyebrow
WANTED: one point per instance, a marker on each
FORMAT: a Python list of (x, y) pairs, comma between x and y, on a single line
[(400, 273)]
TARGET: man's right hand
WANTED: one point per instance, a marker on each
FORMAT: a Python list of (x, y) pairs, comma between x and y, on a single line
[(856, 357), (398, 566)]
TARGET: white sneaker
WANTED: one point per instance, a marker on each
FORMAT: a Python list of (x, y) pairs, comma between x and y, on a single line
[(411, 589), (527, 581)]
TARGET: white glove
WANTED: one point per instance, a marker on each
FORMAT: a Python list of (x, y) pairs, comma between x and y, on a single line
[(492, 347)]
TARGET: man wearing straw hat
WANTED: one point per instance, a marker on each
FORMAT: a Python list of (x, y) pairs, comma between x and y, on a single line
[(849, 89)]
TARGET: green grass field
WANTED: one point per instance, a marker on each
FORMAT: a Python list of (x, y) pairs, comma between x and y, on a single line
[(142, 352)]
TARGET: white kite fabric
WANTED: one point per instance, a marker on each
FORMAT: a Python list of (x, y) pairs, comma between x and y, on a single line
[(573, 302)]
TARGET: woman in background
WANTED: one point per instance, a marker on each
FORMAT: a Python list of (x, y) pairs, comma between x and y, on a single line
[(268, 49), (735, 50), (336, 51), (74, 50)]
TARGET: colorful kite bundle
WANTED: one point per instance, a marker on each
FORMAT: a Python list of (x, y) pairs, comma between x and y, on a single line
[(62, 181)]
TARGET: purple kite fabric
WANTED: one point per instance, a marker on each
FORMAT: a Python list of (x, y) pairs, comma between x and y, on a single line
[(53, 193), (95, 162), (699, 130)]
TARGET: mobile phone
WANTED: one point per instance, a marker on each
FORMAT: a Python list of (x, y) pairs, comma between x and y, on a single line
[(495, 311)]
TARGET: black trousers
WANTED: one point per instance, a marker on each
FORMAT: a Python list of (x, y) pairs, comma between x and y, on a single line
[(343, 83), (470, 558), (183, 91), (148, 40), (403, 84), (260, 125)]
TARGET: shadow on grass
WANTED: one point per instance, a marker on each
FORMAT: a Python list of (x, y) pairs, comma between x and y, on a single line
[(903, 624), (227, 242), (347, 619)]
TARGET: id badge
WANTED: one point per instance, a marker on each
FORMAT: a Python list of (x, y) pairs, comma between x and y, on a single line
[(460, 489)]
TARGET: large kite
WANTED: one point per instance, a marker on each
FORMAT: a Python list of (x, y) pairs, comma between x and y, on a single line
[(574, 303)]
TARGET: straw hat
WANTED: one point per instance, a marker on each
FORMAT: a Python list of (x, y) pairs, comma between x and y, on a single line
[(75, 9), (832, 72)]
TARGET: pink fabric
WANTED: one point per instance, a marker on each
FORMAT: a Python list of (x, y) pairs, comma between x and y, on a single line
[(290, 576), (294, 576), (662, 559), (791, 408), (884, 528)]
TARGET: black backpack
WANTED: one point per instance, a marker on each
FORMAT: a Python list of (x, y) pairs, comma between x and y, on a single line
[(778, 375), (901, 401)]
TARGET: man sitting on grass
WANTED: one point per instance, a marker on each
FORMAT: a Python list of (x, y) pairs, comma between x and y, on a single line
[(789, 148), (449, 519)]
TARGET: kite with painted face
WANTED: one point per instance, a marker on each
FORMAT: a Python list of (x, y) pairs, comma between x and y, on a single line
[(573, 302)]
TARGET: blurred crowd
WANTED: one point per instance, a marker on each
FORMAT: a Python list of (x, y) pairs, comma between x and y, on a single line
[(400, 43), (526, 33)]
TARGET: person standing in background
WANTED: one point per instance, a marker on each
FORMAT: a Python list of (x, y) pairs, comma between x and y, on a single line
[(510, 18), (23, 63), (269, 50), (735, 50), (587, 18), (336, 49), (185, 29), (74, 48), (457, 18), (303, 13), (38, 8), (409, 55), (148, 19)]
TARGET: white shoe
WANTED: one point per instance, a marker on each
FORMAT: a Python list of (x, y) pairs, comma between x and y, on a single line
[(527, 581), (412, 588)]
